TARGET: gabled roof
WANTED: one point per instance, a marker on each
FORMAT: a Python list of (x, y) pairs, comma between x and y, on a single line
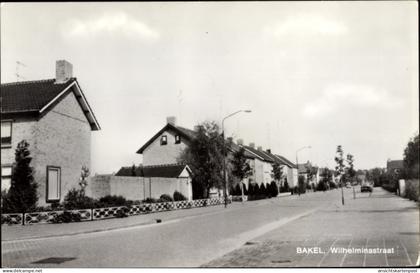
[(36, 98), (183, 132), (233, 147), (261, 154), (169, 171), (285, 161)]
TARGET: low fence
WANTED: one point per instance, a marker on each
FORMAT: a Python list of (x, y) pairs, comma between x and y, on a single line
[(47, 217)]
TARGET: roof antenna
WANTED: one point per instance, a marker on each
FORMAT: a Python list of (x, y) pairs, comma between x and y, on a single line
[(18, 75)]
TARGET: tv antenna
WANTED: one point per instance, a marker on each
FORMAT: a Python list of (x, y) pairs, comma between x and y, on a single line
[(18, 75)]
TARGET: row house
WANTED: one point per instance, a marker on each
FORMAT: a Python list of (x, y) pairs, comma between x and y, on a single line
[(168, 144), (54, 117)]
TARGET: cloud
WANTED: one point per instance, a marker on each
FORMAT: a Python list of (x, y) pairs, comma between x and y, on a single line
[(304, 25), (114, 24), (338, 96)]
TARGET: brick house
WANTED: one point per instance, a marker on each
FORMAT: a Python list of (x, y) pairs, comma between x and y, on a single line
[(54, 117)]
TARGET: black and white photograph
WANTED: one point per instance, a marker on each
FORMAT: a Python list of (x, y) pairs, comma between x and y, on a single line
[(210, 135)]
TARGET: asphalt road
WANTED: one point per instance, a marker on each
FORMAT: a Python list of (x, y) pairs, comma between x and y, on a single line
[(204, 239)]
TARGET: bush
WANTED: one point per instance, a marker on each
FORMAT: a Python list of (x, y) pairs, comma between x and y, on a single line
[(75, 199), (166, 198), (66, 217), (332, 185), (238, 190), (150, 200), (285, 187), (412, 189), (322, 186), (179, 196), (114, 201), (274, 189), (262, 191), (22, 196)]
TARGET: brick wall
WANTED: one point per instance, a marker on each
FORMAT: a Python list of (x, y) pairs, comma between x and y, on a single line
[(157, 154), (21, 130)]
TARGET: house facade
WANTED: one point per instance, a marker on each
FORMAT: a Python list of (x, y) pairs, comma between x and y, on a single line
[(54, 117), (289, 171)]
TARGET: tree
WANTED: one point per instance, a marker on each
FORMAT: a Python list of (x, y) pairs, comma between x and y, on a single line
[(22, 196), (339, 169), (133, 170), (411, 158), (339, 160), (350, 172), (277, 172), (205, 157), (240, 167)]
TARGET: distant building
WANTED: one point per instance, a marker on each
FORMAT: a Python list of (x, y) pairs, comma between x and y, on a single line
[(394, 166), (54, 117)]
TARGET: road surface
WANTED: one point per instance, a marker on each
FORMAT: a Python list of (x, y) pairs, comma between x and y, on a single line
[(215, 237)]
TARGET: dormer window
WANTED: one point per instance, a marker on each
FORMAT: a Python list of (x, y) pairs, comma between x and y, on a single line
[(163, 140), (177, 139)]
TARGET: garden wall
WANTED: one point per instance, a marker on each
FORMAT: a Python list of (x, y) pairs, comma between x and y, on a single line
[(137, 188)]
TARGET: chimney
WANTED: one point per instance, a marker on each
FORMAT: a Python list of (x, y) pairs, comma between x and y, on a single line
[(171, 120), (252, 145), (240, 141), (259, 148), (269, 151), (63, 71)]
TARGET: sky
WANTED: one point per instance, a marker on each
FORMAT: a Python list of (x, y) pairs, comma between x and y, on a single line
[(317, 74)]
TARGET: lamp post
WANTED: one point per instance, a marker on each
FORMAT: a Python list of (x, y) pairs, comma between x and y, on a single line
[(224, 152), (297, 164)]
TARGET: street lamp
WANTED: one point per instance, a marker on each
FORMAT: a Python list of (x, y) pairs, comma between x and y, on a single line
[(297, 164), (224, 151)]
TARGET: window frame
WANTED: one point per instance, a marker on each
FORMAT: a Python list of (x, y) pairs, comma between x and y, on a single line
[(9, 144), (7, 176), (47, 200), (177, 139), (162, 141)]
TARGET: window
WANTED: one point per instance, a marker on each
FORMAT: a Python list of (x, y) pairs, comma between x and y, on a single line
[(6, 177), (6, 133), (163, 140), (177, 139), (53, 183)]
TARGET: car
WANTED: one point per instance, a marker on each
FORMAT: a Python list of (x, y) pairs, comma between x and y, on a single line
[(366, 187)]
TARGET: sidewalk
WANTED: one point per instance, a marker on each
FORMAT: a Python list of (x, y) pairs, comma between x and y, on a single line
[(19, 232), (382, 220)]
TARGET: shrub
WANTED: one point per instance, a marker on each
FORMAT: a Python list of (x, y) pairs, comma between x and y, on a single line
[(285, 187), (262, 191), (179, 196), (114, 201), (149, 200), (238, 190), (322, 186), (274, 190), (75, 199), (412, 189), (22, 195), (165, 198), (332, 185), (66, 217)]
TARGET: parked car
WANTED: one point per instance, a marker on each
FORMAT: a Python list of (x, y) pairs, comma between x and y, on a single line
[(366, 187)]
